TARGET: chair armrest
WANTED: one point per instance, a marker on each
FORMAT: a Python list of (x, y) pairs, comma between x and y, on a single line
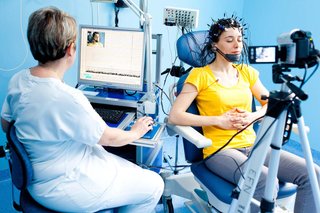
[(190, 134)]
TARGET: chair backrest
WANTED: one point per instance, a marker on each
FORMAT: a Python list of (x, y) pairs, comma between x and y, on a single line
[(20, 165), (189, 47), (192, 153), (22, 174)]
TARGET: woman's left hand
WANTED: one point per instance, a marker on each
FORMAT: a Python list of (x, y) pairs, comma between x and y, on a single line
[(244, 118)]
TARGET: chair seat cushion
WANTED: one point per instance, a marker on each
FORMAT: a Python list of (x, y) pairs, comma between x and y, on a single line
[(286, 190), (218, 186), (222, 189), (28, 204)]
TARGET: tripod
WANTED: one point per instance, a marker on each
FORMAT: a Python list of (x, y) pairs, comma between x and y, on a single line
[(271, 133)]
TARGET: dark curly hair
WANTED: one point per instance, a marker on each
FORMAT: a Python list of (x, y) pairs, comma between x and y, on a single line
[(215, 31)]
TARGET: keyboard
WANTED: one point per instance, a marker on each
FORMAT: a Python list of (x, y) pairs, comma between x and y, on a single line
[(113, 116), (151, 133)]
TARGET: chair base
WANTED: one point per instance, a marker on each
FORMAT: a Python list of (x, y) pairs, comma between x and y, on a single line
[(183, 185)]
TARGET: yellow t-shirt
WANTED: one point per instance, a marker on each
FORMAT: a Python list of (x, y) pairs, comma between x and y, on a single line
[(214, 99)]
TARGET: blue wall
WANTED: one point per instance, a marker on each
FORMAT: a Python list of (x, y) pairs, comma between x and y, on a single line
[(266, 22), (271, 18), (14, 47)]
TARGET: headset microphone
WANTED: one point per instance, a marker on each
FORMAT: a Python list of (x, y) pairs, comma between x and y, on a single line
[(229, 57)]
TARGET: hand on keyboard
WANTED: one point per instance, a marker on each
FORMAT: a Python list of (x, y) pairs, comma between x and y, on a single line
[(152, 131), (142, 125)]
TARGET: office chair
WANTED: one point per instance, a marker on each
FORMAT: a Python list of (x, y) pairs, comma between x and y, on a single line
[(22, 174), (218, 191)]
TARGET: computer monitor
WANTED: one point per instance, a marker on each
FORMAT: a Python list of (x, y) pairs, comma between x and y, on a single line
[(112, 57)]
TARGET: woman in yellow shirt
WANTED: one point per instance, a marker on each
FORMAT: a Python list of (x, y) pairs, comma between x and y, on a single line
[(223, 91)]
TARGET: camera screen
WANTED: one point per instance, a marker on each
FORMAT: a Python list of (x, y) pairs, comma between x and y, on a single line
[(262, 54)]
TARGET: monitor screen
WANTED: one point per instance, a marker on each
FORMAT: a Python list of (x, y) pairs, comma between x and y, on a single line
[(111, 57)]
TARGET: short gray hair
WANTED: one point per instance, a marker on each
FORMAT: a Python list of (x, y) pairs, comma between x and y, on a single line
[(50, 31)]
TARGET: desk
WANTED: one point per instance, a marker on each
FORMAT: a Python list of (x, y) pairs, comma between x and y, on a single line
[(156, 152), (147, 151), (102, 96)]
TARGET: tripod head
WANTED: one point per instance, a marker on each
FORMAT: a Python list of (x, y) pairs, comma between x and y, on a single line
[(283, 99), (279, 77)]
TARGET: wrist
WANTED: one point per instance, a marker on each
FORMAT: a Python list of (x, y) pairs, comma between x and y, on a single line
[(216, 120)]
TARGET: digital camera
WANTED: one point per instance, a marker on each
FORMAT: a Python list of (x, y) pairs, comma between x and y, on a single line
[(294, 49)]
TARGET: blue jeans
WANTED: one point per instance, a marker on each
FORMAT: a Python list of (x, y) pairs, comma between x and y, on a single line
[(292, 169)]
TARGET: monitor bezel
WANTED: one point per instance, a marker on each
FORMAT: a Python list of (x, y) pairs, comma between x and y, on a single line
[(111, 85)]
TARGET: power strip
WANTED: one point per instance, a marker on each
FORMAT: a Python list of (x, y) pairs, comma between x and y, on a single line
[(187, 18)]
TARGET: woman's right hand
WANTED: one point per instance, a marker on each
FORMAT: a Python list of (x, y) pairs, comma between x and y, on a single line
[(117, 137), (232, 119), (142, 126)]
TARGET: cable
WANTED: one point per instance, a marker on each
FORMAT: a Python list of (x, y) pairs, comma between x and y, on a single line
[(91, 6), (182, 167), (98, 8), (252, 150), (161, 101), (24, 42), (116, 17), (170, 50), (257, 143), (222, 147), (254, 147), (312, 73)]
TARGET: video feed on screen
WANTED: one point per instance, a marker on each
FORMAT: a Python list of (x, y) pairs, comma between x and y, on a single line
[(112, 57)]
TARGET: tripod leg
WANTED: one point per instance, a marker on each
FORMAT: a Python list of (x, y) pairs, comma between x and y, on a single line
[(248, 183), (267, 203), (309, 161)]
